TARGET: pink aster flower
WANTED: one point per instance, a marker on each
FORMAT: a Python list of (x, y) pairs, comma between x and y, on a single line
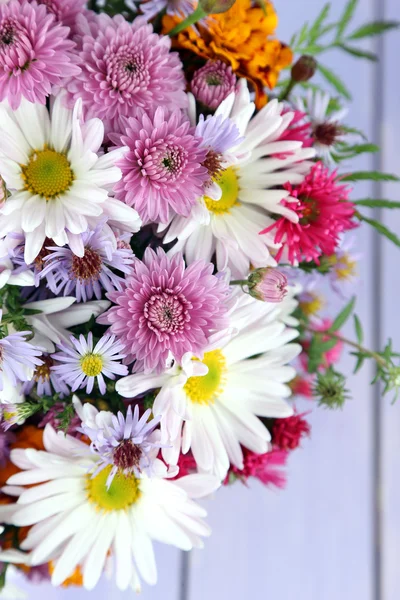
[(35, 53), (162, 169), (264, 467), (299, 129), (323, 210), (213, 83), (166, 308), (126, 66), (65, 11)]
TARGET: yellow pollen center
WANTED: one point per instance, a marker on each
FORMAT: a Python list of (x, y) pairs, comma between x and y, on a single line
[(229, 184), (122, 493), (345, 267), (92, 364), (47, 174), (204, 390), (313, 305)]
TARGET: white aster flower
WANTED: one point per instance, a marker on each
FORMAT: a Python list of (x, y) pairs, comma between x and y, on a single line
[(7, 275), (76, 520), (50, 326), (251, 183), (210, 406), (58, 183), (327, 130)]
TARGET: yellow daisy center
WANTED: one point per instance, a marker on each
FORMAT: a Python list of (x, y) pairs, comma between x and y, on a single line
[(122, 493), (345, 267), (204, 390), (47, 174), (92, 364), (229, 184), (313, 305)]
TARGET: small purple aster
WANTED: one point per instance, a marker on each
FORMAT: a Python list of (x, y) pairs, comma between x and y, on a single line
[(35, 53), (126, 66), (17, 357), (162, 169), (6, 439), (87, 276), (126, 443), (179, 8), (46, 380), (213, 83), (82, 364), (166, 307)]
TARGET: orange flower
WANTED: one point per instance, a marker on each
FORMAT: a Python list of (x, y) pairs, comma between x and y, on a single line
[(240, 37), (26, 437)]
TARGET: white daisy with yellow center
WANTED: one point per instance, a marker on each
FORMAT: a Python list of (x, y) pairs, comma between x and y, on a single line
[(58, 183), (211, 405), (76, 520), (251, 183)]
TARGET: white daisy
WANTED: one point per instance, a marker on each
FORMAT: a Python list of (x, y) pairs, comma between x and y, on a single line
[(327, 130), (78, 521), (251, 185), (210, 406), (58, 183)]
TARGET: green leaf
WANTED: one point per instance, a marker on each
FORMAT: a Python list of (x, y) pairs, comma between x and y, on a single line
[(328, 345), (369, 175), (359, 363), (346, 17), (374, 28), (343, 316), (358, 328), (335, 81), (382, 229), (377, 203), (354, 130), (316, 27), (358, 53)]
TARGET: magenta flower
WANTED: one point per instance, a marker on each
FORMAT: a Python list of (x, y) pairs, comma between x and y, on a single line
[(166, 308), (213, 83), (162, 169), (125, 66), (65, 11), (35, 53)]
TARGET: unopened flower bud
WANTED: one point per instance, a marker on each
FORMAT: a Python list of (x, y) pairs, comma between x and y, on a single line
[(213, 7), (213, 83), (268, 285), (304, 68)]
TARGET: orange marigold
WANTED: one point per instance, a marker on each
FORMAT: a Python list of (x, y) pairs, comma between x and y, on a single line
[(240, 37)]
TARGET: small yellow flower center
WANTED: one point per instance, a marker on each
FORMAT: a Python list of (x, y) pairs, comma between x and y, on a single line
[(47, 174), (345, 267), (204, 390), (122, 493), (313, 305), (229, 184), (92, 364)]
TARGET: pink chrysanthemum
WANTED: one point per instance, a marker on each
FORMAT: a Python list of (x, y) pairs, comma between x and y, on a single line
[(162, 169), (65, 11), (264, 467), (166, 308), (324, 211), (35, 53), (213, 83), (125, 66)]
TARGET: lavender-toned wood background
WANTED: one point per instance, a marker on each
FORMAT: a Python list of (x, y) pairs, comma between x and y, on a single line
[(335, 531)]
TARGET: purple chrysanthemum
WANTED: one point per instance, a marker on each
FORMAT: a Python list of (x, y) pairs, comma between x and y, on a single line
[(17, 356), (65, 11), (167, 308), (35, 53), (46, 380), (213, 83), (180, 8), (123, 442), (86, 276), (162, 169), (126, 66), (82, 364)]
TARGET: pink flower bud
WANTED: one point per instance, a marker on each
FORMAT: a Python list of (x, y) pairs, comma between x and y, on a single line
[(213, 83), (268, 285)]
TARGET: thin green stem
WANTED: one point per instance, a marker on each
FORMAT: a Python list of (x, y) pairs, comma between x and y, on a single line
[(196, 15), (287, 91), (238, 282)]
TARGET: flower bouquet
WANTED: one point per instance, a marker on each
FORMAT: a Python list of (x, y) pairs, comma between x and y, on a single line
[(176, 187)]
